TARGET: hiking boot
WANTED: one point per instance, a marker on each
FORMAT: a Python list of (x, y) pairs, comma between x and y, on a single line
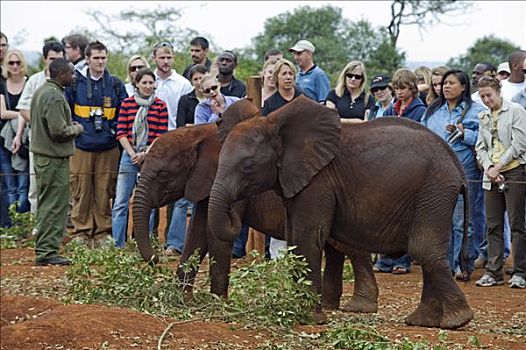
[(488, 281), (517, 282), (56, 260)]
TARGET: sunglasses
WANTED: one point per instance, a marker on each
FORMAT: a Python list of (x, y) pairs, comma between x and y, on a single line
[(211, 88), (12, 63), (163, 44), (135, 68), (376, 89), (355, 76)]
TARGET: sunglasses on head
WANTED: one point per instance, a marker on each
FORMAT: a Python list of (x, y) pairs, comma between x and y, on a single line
[(163, 44), (355, 76), (376, 89), (12, 63), (135, 68), (211, 88)]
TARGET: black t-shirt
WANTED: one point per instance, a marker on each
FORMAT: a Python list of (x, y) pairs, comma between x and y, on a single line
[(347, 109), (276, 101), (235, 88), (186, 109)]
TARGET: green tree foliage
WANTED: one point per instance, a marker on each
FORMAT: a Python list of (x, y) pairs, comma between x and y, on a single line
[(421, 13), (488, 49), (337, 40)]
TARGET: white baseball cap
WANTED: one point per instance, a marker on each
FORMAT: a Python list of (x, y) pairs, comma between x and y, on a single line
[(303, 45)]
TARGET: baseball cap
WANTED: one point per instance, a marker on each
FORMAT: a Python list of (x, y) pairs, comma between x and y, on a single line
[(303, 45), (381, 81), (504, 67)]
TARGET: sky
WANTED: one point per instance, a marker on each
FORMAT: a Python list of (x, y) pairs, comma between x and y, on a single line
[(232, 24)]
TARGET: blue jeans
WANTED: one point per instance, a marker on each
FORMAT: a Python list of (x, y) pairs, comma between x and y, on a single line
[(126, 181), (386, 264), (239, 249), (16, 183), (177, 230), (455, 243)]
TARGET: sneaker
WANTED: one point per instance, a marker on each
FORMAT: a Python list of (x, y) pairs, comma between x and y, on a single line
[(488, 281), (517, 282), (480, 263), (399, 270), (171, 252)]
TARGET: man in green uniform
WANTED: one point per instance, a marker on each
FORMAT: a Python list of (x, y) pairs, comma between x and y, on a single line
[(52, 134)]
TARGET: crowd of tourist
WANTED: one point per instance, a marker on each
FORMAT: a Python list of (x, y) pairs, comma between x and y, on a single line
[(76, 134)]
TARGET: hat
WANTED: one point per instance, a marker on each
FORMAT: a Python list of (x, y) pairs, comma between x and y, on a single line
[(504, 67), (380, 81), (303, 45)]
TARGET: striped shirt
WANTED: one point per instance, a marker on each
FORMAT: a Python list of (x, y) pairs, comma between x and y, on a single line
[(157, 119)]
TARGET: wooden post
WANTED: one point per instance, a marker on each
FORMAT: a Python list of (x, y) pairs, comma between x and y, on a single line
[(256, 240), (254, 85)]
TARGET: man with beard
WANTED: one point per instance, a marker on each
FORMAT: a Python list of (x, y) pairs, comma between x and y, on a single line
[(170, 86), (199, 53)]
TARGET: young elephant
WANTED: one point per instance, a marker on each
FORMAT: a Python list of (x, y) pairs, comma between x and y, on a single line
[(181, 163), (385, 186)]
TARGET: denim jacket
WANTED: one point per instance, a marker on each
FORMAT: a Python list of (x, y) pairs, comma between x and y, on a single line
[(437, 122)]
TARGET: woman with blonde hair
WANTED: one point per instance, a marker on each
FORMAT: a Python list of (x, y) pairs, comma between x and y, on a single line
[(423, 77), (135, 63), (14, 168), (349, 97), (437, 74), (268, 84)]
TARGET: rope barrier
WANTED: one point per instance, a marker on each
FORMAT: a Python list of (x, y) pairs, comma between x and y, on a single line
[(128, 172)]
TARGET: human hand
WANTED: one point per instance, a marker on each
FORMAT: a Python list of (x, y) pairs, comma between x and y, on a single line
[(218, 105), (80, 127), (493, 173), (17, 143)]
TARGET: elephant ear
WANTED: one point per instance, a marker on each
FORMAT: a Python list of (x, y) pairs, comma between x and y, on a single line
[(207, 149), (310, 138), (235, 114)]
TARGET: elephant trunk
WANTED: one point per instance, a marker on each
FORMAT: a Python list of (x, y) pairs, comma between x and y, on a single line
[(141, 218), (223, 221)]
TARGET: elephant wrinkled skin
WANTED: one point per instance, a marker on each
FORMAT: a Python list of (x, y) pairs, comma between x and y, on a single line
[(183, 163), (386, 186)]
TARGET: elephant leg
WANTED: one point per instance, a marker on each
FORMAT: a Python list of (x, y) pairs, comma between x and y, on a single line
[(442, 303), (365, 295), (196, 239), (312, 253), (332, 278)]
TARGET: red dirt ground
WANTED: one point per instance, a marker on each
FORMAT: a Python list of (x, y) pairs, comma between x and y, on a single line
[(32, 321)]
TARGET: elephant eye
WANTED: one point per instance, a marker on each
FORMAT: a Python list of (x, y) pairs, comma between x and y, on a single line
[(247, 165)]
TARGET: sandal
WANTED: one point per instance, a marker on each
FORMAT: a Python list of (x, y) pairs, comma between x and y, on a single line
[(400, 270)]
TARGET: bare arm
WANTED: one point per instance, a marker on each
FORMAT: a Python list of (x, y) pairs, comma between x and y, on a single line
[(25, 113), (4, 113), (17, 141)]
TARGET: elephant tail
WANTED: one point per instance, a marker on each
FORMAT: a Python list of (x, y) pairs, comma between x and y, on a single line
[(464, 254)]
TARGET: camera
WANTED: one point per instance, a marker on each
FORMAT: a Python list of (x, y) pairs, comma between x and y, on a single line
[(97, 119), (502, 186), (455, 136)]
